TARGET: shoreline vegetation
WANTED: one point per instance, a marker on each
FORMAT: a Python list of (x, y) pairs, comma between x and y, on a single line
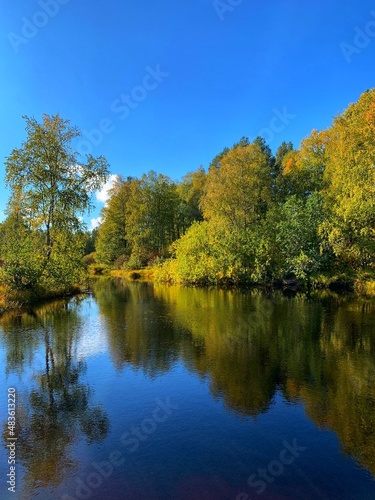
[(297, 219), (361, 284), (363, 287)]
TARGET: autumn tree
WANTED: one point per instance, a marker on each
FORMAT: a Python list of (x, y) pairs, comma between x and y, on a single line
[(350, 178), (282, 150), (236, 198), (239, 191), (281, 187)]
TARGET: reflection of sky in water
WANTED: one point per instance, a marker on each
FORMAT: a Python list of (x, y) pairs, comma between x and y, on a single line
[(91, 339)]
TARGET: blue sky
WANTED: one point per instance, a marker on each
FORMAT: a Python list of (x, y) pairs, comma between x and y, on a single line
[(166, 85)]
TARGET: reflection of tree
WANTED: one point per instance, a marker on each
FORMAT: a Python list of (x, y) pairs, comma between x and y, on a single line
[(227, 343), (321, 351), (19, 340), (346, 402), (138, 328), (57, 409)]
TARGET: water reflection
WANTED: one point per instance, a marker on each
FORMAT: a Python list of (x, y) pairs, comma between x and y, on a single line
[(138, 327), (318, 350), (54, 407)]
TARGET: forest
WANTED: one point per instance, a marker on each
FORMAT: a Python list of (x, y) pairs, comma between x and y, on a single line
[(252, 217)]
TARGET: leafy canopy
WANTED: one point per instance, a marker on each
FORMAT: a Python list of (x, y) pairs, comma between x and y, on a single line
[(50, 190)]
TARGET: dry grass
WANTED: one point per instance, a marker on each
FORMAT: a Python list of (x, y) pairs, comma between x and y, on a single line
[(9, 301), (2, 299), (146, 274), (365, 282)]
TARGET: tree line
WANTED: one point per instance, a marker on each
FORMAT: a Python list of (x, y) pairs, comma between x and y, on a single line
[(251, 217), (254, 216)]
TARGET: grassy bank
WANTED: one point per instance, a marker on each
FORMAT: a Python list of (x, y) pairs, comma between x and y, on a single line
[(360, 282), (13, 300)]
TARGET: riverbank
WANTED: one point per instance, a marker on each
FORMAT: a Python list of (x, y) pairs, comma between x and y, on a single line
[(361, 284), (18, 300), (146, 274)]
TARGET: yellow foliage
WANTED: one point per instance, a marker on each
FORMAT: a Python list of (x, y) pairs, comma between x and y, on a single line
[(289, 162), (370, 115), (365, 288), (237, 190), (146, 274)]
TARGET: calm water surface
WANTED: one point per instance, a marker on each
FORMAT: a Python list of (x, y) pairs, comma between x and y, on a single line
[(152, 392)]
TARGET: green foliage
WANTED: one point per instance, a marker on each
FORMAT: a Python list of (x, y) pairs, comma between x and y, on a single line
[(152, 214), (112, 240), (238, 192), (282, 151), (253, 217), (140, 221), (304, 212), (22, 252), (139, 258), (90, 242), (190, 191), (64, 267), (144, 216), (280, 184), (297, 235), (88, 259), (209, 253), (194, 260), (50, 188)]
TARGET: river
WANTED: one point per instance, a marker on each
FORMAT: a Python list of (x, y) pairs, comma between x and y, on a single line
[(144, 391)]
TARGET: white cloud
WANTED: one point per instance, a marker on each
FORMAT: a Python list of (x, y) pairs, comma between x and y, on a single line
[(103, 195), (95, 223)]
